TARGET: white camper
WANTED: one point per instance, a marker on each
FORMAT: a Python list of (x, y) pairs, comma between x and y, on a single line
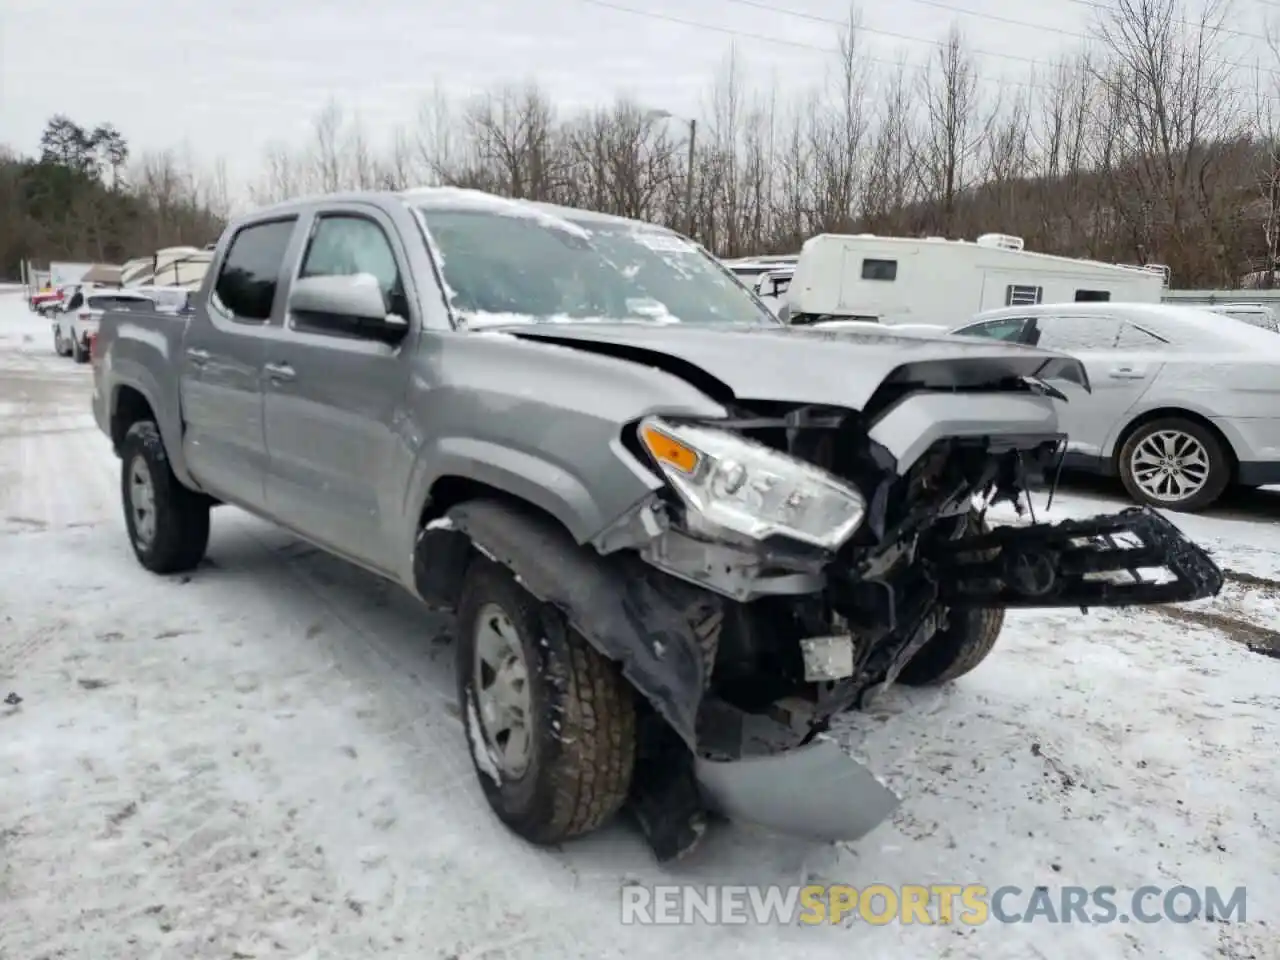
[(750, 269), (168, 266), (937, 281), (67, 274)]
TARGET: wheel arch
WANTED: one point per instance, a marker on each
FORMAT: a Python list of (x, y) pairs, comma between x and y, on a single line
[(1174, 413), (608, 599), (129, 405)]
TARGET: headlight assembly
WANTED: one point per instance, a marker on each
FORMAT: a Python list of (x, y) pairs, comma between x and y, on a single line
[(742, 486)]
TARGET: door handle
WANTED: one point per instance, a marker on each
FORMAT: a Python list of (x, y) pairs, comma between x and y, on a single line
[(198, 357), (279, 371), (1125, 373)]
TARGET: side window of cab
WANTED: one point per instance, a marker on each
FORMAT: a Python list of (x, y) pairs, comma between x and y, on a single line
[(345, 244)]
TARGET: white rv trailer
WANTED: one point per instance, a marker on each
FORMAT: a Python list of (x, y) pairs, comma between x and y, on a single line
[(159, 268), (750, 269), (67, 274), (938, 281), (182, 271)]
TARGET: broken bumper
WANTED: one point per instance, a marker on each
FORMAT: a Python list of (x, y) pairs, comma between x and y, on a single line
[(1133, 557), (815, 792)]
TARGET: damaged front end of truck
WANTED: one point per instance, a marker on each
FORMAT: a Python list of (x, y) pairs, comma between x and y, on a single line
[(799, 559)]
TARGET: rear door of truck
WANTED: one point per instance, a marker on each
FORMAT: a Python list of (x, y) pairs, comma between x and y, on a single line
[(222, 358)]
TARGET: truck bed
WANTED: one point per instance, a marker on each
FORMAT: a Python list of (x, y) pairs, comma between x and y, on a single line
[(138, 355)]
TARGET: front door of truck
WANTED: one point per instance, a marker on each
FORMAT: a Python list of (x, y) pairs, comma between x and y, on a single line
[(221, 365), (334, 398)]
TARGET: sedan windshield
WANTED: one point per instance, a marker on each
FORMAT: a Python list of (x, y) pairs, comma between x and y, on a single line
[(502, 268)]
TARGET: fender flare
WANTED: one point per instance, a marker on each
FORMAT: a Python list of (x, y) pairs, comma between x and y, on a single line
[(169, 424), (614, 605)]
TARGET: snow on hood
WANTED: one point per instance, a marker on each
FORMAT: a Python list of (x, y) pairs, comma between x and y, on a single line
[(480, 320), (807, 365)]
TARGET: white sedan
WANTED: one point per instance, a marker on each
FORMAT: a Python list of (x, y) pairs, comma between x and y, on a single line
[(1183, 403)]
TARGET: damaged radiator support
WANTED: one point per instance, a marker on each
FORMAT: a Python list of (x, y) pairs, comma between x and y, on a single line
[(1062, 564)]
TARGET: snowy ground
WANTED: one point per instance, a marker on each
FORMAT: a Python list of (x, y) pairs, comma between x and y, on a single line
[(264, 760)]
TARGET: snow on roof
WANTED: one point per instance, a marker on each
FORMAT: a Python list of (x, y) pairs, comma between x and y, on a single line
[(459, 198)]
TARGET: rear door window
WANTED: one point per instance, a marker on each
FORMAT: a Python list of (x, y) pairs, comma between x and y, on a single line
[(250, 273), (1070, 334)]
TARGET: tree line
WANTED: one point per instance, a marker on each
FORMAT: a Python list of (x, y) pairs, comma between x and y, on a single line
[(1148, 145), (86, 198)]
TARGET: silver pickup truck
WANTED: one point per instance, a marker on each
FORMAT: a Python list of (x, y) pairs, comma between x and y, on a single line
[(679, 537)]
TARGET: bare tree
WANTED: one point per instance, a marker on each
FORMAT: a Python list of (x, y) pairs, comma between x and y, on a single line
[(513, 135), (950, 144), (326, 153), (892, 170), (840, 137), (1171, 104)]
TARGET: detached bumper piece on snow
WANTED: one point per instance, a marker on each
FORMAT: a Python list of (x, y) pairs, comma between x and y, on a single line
[(1077, 563)]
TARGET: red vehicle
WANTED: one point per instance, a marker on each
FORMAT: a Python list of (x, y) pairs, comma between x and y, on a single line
[(46, 297)]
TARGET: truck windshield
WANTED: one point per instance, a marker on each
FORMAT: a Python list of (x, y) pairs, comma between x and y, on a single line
[(504, 269)]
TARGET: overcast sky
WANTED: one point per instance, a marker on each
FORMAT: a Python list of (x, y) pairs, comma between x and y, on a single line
[(225, 78)]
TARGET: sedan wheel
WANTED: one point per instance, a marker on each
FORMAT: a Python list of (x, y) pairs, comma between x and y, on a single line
[(1174, 463)]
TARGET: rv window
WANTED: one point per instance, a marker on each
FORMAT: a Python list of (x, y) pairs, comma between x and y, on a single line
[(1016, 295), (879, 269), (1093, 296)]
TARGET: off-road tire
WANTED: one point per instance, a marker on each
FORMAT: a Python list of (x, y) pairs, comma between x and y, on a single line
[(78, 353), (959, 647), (955, 650), (584, 731), (181, 516), (1219, 465)]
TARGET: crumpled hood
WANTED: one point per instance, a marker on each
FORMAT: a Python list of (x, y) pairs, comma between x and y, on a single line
[(841, 368)]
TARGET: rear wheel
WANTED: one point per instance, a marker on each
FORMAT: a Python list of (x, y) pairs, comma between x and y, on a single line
[(1174, 463), (79, 353), (168, 524), (550, 722)]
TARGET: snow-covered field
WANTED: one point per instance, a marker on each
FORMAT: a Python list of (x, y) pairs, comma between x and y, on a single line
[(264, 760)]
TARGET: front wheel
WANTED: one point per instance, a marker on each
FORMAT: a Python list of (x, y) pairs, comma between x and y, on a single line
[(956, 649), (966, 640), (550, 722), (168, 524), (1174, 463)]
